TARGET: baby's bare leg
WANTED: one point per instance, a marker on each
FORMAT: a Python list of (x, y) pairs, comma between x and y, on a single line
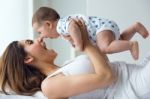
[(130, 31), (107, 44), (134, 49), (103, 40)]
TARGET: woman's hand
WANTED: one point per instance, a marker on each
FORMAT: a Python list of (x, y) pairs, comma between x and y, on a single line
[(84, 32), (93, 51)]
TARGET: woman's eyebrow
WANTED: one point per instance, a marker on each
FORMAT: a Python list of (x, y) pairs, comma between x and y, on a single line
[(25, 41)]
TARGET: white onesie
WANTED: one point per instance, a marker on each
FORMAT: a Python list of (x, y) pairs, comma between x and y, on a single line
[(133, 81), (94, 25)]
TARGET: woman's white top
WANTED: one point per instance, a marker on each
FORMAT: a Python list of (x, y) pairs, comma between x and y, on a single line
[(133, 81)]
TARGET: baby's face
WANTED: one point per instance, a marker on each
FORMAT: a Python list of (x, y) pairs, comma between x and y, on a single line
[(45, 30), (42, 30)]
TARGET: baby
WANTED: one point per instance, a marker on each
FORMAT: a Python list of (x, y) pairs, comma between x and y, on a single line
[(103, 33)]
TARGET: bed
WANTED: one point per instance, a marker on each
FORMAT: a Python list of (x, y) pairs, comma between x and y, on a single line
[(37, 95)]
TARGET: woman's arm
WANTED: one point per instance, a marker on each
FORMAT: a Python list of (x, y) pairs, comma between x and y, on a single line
[(61, 86), (100, 63)]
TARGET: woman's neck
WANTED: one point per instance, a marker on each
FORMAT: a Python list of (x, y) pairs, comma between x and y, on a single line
[(47, 68)]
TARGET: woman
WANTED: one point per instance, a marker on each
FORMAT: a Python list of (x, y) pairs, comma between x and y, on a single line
[(79, 79), (23, 69)]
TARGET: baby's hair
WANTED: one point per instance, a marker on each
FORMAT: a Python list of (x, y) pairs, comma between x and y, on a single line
[(45, 14)]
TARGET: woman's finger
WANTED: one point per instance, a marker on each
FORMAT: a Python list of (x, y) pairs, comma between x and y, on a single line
[(81, 23), (84, 29), (78, 21)]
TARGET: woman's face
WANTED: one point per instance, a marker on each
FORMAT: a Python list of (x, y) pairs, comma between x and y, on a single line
[(37, 49)]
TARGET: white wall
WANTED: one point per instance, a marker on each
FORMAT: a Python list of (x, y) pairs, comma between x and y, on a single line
[(124, 12), (16, 15), (14, 21)]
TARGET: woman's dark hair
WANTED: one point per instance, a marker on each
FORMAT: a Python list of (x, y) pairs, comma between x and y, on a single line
[(20, 77), (45, 14)]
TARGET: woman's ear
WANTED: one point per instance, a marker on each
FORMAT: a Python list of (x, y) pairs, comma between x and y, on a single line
[(28, 59)]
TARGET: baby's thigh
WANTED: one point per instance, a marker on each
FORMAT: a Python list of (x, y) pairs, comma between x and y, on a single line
[(104, 38)]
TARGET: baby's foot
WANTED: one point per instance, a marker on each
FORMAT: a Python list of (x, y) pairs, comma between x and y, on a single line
[(140, 28), (134, 49)]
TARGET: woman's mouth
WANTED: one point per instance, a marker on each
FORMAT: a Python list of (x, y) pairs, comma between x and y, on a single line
[(44, 45)]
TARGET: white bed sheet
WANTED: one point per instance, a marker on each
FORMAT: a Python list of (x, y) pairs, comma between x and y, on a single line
[(37, 95)]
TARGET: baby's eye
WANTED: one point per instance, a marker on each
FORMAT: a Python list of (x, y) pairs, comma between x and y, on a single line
[(39, 33), (29, 41)]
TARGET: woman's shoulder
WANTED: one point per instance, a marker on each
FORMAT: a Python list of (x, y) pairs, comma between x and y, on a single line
[(80, 57), (78, 65), (49, 84)]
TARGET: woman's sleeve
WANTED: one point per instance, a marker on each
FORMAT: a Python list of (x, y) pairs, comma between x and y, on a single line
[(145, 60)]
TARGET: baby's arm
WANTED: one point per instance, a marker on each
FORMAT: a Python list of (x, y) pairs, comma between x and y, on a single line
[(75, 34)]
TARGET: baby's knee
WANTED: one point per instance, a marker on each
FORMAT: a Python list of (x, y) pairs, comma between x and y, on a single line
[(136, 24), (104, 49)]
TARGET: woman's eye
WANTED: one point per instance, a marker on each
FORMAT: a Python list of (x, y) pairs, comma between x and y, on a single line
[(29, 41)]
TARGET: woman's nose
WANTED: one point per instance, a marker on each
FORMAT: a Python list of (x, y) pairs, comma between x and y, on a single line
[(40, 39)]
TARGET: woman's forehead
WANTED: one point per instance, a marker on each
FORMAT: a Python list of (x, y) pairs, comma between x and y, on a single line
[(23, 42)]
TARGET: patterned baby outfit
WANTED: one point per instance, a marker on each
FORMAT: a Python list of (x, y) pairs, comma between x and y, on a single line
[(94, 26)]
